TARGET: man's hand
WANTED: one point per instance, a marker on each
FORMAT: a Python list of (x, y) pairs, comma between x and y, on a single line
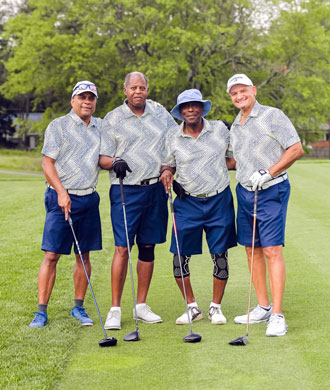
[(64, 201), (259, 178), (120, 167), (178, 189), (167, 179)]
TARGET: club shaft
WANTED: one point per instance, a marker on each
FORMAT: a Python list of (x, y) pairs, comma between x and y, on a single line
[(128, 250), (255, 203), (86, 273), (178, 250)]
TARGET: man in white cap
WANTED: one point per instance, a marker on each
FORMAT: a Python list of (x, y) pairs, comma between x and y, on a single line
[(70, 164), (264, 144), (196, 151)]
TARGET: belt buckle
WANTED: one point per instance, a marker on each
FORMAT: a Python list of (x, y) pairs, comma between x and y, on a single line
[(145, 182), (201, 196)]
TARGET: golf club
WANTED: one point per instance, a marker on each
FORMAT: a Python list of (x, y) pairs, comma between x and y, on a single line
[(191, 337), (108, 341), (244, 339), (132, 336)]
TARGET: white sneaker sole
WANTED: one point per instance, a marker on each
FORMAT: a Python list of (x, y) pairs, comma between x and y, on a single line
[(149, 322), (198, 318), (112, 327), (217, 322), (87, 324), (250, 322), (277, 334)]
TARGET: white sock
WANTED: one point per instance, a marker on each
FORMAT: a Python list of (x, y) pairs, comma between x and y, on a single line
[(192, 304), (115, 308), (140, 305), (218, 305)]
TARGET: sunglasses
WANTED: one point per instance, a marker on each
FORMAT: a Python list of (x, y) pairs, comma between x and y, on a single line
[(84, 87)]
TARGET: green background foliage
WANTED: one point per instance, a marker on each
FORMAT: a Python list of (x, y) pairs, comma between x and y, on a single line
[(178, 45)]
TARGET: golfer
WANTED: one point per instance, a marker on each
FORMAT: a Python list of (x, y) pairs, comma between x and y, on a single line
[(264, 144), (70, 164), (132, 142), (196, 151)]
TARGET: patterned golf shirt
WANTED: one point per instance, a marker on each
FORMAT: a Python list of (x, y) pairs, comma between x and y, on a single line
[(139, 140), (200, 162), (261, 141), (76, 148)]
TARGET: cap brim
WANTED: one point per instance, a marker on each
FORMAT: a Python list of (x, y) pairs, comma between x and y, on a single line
[(176, 109), (83, 91)]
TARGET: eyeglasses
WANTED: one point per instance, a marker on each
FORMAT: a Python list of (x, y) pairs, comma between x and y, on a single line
[(84, 87)]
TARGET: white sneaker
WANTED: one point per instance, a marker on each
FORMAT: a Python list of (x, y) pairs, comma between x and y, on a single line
[(276, 325), (195, 315), (216, 316), (258, 314), (113, 320), (144, 313)]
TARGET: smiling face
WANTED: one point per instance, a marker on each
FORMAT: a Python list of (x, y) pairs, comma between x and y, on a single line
[(136, 91), (84, 105), (243, 97), (192, 112)]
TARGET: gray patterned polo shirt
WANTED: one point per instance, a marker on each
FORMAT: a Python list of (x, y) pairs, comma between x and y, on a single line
[(76, 149), (200, 162), (261, 141), (139, 140)]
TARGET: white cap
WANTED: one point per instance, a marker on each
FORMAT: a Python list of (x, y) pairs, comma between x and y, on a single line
[(238, 79), (84, 86)]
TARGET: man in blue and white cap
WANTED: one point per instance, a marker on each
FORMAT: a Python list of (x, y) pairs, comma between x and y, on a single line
[(264, 144), (196, 152), (70, 164)]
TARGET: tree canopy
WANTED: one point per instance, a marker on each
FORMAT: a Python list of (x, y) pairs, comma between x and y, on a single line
[(283, 47)]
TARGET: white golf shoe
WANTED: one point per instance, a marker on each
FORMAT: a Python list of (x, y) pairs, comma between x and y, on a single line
[(144, 313), (195, 315), (276, 326), (258, 314), (113, 320), (216, 316)]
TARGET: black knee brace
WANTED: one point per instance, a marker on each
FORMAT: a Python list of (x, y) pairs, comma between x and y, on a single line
[(146, 252), (221, 268), (185, 266)]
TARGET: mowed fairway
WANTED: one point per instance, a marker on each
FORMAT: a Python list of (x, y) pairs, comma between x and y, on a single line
[(65, 356)]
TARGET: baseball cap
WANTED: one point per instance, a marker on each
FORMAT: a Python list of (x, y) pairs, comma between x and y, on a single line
[(190, 95), (84, 86), (238, 79)]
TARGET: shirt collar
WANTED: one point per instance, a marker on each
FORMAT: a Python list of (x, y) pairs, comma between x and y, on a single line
[(206, 128), (79, 121), (129, 113), (254, 112)]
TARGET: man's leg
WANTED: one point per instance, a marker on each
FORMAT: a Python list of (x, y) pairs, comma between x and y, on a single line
[(144, 273), (79, 276), (259, 274), (118, 274), (218, 289), (276, 273), (47, 276), (187, 285)]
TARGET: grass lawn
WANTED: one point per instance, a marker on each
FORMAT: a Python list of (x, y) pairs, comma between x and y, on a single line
[(65, 356)]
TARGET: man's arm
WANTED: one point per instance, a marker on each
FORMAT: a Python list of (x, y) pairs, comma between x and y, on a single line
[(231, 163), (63, 198), (291, 154), (166, 177), (105, 162)]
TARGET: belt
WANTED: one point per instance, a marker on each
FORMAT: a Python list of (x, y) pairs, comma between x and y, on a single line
[(270, 183), (86, 191), (208, 195), (148, 182)]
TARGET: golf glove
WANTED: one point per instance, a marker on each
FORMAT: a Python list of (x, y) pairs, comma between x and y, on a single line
[(178, 189), (120, 167), (259, 178)]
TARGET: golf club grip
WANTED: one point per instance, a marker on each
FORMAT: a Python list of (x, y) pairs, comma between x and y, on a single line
[(255, 202), (171, 200), (121, 190)]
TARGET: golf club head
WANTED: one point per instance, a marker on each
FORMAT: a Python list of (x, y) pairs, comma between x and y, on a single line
[(108, 342), (192, 338), (239, 341), (132, 336)]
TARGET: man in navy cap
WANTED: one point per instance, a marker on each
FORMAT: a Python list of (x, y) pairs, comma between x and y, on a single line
[(70, 164), (196, 152)]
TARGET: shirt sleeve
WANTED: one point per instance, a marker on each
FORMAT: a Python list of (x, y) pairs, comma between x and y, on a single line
[(283, 130), (168, 156), (108, 140), (53, 140)]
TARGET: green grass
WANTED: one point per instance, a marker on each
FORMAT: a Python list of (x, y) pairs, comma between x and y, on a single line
[(66, 356), (18, 160)]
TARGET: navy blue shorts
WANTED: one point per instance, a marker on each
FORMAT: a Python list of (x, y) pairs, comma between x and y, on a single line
[(146, 214), (85, 217), (271, 215), (214, 215)]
